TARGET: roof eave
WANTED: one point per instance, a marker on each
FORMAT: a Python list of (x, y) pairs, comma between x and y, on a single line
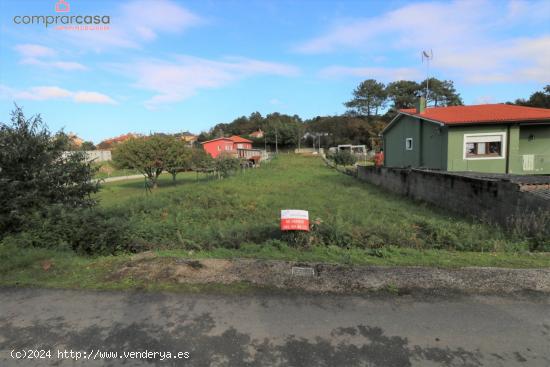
[(400, 113)]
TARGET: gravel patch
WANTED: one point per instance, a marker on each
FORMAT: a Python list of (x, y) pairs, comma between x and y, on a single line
[(334, 278)]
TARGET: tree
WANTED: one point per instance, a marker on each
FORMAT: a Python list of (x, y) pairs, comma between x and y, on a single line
[(200, 160), (281, 129), (403, 93), (87, 145), (442, 93), (177, 158), (368, 98), (36, 173), (225, 165), (539, 99), (147, 154)]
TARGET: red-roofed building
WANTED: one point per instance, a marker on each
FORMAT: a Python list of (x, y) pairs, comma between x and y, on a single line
[(108, 144), (234, 145), (494, 138), (257, 134)]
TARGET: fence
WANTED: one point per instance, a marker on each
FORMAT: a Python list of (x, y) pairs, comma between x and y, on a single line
[(497, 198), (308, 151)]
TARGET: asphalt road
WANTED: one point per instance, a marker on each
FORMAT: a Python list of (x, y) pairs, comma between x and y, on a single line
[(275, 329)]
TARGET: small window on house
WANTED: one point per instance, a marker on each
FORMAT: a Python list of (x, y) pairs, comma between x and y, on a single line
[(228, 147), (409, 143), (483, 146), (219, 148)]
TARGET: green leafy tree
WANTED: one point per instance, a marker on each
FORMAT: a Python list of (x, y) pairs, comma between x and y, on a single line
[(36, 173), (403, 93), (539, 99), (442, 93), (368, 98), (178, 157), (226, 164), (87, 145), (200, 160), (147, 155)]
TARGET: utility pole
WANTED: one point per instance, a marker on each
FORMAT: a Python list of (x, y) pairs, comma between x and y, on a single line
[(276, 143)]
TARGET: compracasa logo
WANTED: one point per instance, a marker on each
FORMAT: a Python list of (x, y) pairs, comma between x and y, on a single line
[(62, 6), (67, 22)]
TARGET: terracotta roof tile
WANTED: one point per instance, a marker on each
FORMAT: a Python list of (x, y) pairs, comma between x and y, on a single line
[(477, 114), (238, 139)]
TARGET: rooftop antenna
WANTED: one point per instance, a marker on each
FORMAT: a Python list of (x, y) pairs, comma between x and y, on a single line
[(427, 55)]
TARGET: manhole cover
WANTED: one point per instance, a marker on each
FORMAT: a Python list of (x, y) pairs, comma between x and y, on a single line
[(303, 272)]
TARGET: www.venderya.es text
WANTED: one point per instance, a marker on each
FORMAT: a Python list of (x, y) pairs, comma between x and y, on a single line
[(95, 354)]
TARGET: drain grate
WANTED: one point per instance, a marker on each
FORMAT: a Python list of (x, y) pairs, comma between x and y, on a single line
[(302, 271)]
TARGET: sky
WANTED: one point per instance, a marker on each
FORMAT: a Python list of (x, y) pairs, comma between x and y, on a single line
[(171, 66)]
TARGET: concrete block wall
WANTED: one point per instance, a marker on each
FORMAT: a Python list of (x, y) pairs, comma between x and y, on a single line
[(490, 199)]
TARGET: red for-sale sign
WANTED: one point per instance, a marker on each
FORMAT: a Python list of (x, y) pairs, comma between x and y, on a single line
[(294, 220)]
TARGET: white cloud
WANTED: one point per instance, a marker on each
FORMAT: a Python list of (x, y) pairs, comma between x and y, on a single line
[(176, 80), (42, 93), (468, 39), (135, 23), (68, 65), (32, 50), (38, 55), (419, 25), (92, 97), (381, 73)]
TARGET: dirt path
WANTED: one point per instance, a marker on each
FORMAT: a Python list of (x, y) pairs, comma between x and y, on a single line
[(120, 178), (334, 278)]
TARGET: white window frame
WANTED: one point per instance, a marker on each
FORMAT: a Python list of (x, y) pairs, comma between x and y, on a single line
[(407, 140), (503, 150)]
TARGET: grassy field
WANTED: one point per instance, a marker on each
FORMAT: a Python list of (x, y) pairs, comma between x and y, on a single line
[(205, 214), (238, 217), (106, 170)]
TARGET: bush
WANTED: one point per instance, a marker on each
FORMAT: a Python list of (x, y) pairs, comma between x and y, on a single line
[(35, 172), (225, 165), (83, 230), (533, 226), (343, 158)]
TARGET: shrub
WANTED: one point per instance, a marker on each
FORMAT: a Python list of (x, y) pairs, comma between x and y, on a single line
[(225, 165), (534, 226), (35, 172), (83, 230), (343, 158)]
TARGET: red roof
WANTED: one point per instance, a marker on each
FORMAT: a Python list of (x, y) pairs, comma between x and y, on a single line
[(238, 139), (485, 113), (234, 139), (208, 141)]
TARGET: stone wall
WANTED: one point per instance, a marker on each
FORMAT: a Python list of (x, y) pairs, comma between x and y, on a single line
[(493, 199), (94, 155)]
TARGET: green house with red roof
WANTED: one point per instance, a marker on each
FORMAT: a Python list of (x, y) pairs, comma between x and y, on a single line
[(490, 138)]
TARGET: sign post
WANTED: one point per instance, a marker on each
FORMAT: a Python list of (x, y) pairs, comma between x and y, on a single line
[(294, 220)]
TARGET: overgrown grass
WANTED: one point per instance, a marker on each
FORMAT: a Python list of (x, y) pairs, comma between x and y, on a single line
[(238, 217), (245, 209), (25, 267), (106, 170)]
